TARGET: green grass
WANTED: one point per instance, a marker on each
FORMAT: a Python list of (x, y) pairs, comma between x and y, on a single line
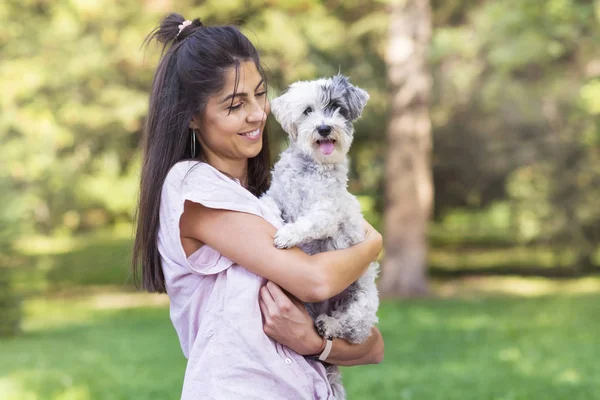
[(71, 351), (486, 348), (503, 348), (119, 345)]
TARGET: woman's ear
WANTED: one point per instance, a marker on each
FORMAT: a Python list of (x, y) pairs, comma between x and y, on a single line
[(195, 123)]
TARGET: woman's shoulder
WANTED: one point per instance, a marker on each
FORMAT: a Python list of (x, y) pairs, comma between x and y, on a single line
[(190, 173), (183, 170), (202, 183)]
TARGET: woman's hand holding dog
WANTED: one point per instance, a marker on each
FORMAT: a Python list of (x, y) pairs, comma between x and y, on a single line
[(287, 321)]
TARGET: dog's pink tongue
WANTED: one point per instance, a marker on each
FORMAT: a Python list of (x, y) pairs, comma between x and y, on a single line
[(326, 147)]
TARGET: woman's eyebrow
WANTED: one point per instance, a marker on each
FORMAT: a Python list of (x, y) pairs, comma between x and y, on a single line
[(229, 97)]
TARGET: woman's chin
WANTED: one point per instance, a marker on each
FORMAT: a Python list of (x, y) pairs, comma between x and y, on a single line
[(254, 151)]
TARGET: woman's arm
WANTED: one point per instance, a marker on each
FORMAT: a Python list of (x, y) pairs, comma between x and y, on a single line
[(248, 240), (287, 322), (348, 354)]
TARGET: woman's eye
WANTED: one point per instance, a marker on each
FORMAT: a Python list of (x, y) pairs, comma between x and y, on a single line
[(236, 107), (308, 110), (260, 94)]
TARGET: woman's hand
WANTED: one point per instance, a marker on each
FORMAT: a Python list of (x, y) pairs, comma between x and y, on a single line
[(287, 321), (372, 234)]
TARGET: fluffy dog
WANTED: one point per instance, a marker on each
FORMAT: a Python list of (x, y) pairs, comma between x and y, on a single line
[(309, 192)]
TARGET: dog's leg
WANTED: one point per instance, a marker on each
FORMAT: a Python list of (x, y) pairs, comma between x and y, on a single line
[(335, 380), (271, 204), (355, 313), (316, 224)]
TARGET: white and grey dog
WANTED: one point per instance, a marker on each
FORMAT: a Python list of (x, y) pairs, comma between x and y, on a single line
[(309, 190)]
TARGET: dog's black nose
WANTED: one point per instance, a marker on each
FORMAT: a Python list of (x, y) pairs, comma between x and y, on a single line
[(324, 130)]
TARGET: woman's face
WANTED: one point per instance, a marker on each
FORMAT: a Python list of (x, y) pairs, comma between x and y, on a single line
[(232, 130)]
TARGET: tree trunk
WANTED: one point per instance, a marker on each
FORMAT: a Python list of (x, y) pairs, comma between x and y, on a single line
[(408, 175)]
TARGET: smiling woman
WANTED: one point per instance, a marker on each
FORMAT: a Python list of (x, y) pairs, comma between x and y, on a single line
[(204, 237), (231, 129)]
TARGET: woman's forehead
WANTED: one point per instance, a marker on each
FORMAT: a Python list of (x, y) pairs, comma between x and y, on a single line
[(247, 75)]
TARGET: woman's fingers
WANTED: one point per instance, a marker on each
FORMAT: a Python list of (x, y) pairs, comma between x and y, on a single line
[(368, 228), (276, 304), (270, 308), (264, 311), (282, 301), (267, 320), (296, 301), (275, 291)]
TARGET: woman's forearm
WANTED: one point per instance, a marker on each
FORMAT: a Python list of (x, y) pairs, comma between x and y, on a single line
[(287, 321), (348, 354), (340, 268)]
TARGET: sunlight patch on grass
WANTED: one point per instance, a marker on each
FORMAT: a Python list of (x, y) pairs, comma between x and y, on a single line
[(473, 322), (73, 307), (35, 245), (514, 286), (119, 301), (42, 313), (425, 318), (27, 384), (538, 257), (569, 376)]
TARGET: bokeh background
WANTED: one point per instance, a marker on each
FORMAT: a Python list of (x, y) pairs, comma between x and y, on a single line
[(478, 157)]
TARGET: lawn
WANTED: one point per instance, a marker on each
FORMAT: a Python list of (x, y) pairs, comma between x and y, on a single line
[(121, 345)]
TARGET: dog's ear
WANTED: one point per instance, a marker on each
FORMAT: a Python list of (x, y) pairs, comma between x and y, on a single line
[(282, 111), (357, 99)]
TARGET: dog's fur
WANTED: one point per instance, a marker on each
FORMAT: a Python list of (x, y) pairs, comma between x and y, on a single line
[(309, 192)]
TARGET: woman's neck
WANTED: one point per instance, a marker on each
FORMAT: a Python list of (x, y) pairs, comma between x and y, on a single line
[(237, 169)]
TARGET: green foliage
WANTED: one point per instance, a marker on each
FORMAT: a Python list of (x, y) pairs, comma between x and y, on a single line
[(10, 305), (492, 348), (75, 88), (514, 106), (515, 116), (75, 84), (59, 263)]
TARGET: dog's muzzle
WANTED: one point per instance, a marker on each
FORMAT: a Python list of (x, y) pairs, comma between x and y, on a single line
[(326, 143), (324, 130)]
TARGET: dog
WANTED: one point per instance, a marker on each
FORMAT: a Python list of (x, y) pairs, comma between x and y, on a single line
[(309, 192)]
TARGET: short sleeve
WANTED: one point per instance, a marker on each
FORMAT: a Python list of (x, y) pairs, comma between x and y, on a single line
[(205, 185)]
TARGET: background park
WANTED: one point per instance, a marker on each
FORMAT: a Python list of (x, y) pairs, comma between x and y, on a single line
[(477, 157)]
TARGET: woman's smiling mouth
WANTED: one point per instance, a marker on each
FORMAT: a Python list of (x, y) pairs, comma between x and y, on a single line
[(252, 134)]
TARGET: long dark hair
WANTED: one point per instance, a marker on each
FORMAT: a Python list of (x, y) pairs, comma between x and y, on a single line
[(192, 68)]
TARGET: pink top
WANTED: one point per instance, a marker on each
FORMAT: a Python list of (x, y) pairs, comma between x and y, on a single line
[(214, 303)]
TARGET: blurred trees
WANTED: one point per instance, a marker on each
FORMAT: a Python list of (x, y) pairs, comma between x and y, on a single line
[(515, 116), (408, 182), (514, 106), (74, 87)]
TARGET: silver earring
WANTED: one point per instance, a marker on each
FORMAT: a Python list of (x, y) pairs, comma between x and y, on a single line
[(193, 143)]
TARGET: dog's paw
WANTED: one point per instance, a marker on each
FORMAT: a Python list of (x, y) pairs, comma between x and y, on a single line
[(327, 326), (286, 238)]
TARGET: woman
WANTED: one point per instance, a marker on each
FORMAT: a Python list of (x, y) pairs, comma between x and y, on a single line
[(204, 238)]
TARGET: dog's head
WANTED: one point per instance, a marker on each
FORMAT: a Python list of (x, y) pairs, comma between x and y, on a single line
[(318, 116)]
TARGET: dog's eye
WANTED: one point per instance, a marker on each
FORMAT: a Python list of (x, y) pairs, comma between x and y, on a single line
[(337, 106), (308, 110)]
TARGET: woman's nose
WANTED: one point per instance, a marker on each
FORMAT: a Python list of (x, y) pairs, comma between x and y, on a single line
[(258, 114)]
